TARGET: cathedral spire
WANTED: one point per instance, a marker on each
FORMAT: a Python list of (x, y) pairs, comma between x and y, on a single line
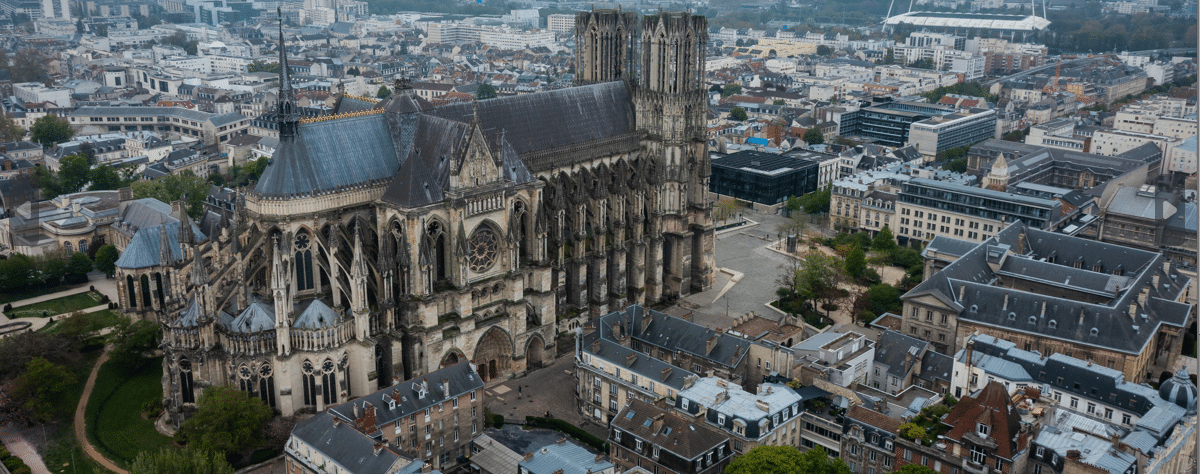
[(286, 111), (358, 275)]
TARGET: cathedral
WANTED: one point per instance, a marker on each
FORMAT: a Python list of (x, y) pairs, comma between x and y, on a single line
[(392, 238)]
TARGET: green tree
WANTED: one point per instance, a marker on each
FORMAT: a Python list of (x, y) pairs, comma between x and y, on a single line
[(73, 172), (181, 40), (485, 92), (41, 385), (731, 90), (80, 326), (814, 137), (786, 460), (884, 241), (16, 272), (180, 461), (105, 178), (923, 63), (29, 66), (106, 259), (817, 202), (914, 469), (856, 262), (779, 102), (823, 50), (353, 71), (957, 165), (738, 114), (819, 277), (383, 92), (881, 298), (844, 141), (174, 187), (889, 57), (227, 420), (102, 30), (51, 130), (9, 130), (263, 66), (51, 268), (80, 264), (133, 343)]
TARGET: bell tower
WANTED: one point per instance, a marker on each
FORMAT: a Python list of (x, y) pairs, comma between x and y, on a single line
[(670, 102), (605, 46)]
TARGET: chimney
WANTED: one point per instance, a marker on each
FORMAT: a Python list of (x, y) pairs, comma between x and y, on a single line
[(1020, 244), (1073, 454), (446, 388), (616, 331), (596, 347), (1143, 295), (426, 468), (357, 411), (561, 441), (710, 345), (377, 448), (1005, 300), (630, 359), (338, 421), (1043, 307), (962, 291), (644, 324), (1154, 281), (528, 457), (666, 373), (1167, 267)]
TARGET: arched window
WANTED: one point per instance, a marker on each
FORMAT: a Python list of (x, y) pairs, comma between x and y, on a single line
[(83, 246), (146, 292), (131, 291), (329, 382), (158, 286), (67, 247), (520, 215), (304, 268), (309, 381), (186, 392), (437, 245), (244, 382), (266, 385)]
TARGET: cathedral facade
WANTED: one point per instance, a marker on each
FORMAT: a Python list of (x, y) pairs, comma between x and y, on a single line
[(393, 237)]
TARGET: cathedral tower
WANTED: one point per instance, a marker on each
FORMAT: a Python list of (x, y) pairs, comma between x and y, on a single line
[(605, 46), (670, 102)]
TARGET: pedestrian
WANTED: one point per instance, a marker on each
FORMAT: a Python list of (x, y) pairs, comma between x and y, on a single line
[(518, 391)]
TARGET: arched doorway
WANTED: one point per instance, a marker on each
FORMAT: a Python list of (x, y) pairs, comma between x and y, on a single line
[(455, 356), (534, 357), (493, 354)]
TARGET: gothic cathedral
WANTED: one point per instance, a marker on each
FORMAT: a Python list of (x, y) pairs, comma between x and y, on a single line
[(392, 238)]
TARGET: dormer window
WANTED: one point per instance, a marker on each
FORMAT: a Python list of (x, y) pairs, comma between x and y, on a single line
[(983, 429)]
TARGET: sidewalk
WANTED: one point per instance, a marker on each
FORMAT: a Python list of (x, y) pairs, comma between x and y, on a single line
[(19, 447)]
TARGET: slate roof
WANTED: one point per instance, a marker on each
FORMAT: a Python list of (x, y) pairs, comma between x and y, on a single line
[(990, 406), (566, 458), (146, 212), (144, 249), (408, 397), (892, 348), (969, 283), (643, 364), (948, 246), (346, 447), (316, 315), (675, 433), (259, 316), (677, 334), (329, 155)]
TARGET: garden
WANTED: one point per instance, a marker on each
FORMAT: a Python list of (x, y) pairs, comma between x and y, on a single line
[(57, 306), (119, 424)]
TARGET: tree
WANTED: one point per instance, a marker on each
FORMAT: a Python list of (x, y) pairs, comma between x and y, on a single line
[(485, 92), (80, 264), (181, 461), (820, 277), (51, 130), (844, 141), (889, 57), (738, 114), (814, 137), (923, 63), (174, 187), (181, 40), (29, 66), (263, 66), (823, 50), (353, 71), (730, 90), (779, 102), (133, 343), (9, 130), (880, 298), (383, 92), (786, 460), (16, 272), (856, 262), (106, 259), (227, 420), (817, 202), (105, 178), (41, 385), (726, 208), (80, 326), (914, 469), (73, 172), (102, 30), (884, 241)]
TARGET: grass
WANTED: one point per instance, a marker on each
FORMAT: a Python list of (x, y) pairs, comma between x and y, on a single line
[(58, 454), (108, 317), (57, 306), (32, 293), (114, 412)]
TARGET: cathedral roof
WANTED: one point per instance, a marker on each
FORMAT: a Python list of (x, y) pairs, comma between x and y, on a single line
[(145, 248), (259, 316), (190, 317), (316, 316), (329, 155)]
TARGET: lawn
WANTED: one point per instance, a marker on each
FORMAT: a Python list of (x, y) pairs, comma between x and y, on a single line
[(32, 293), (114, 412), (108, 317), (57, 306), (57, 454)]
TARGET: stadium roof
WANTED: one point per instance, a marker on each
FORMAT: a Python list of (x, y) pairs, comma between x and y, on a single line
[(970, 20)]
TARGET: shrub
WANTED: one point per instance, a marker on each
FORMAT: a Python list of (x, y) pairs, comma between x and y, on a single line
[(152, 408), (567, 428), (22, 470), (8, 307)]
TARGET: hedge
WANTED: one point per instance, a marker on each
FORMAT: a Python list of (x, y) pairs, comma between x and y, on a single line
[(564, 427), (14, 464)]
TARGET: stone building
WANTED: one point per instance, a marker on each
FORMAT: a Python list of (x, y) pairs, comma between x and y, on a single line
[(659, 440), (393, 238)]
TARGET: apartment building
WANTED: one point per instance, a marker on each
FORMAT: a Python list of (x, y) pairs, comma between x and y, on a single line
[(210, 128), (869, 440), (927, 208), (1114, 305), (943, 132), (36, 92), (434, 418), (326, 443), (983, 435), (560, 23), (659, 440), (1060, 133), (1116, 142), (611, 374), (768, 416), (1001, 164), (841, 358)]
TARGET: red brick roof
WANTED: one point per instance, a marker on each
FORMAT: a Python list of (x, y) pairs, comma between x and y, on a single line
[(992, 407)]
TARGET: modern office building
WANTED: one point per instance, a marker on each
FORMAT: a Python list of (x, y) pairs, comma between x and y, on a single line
[(764, 178), (888, 122), (943, 132), (927, 208)]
